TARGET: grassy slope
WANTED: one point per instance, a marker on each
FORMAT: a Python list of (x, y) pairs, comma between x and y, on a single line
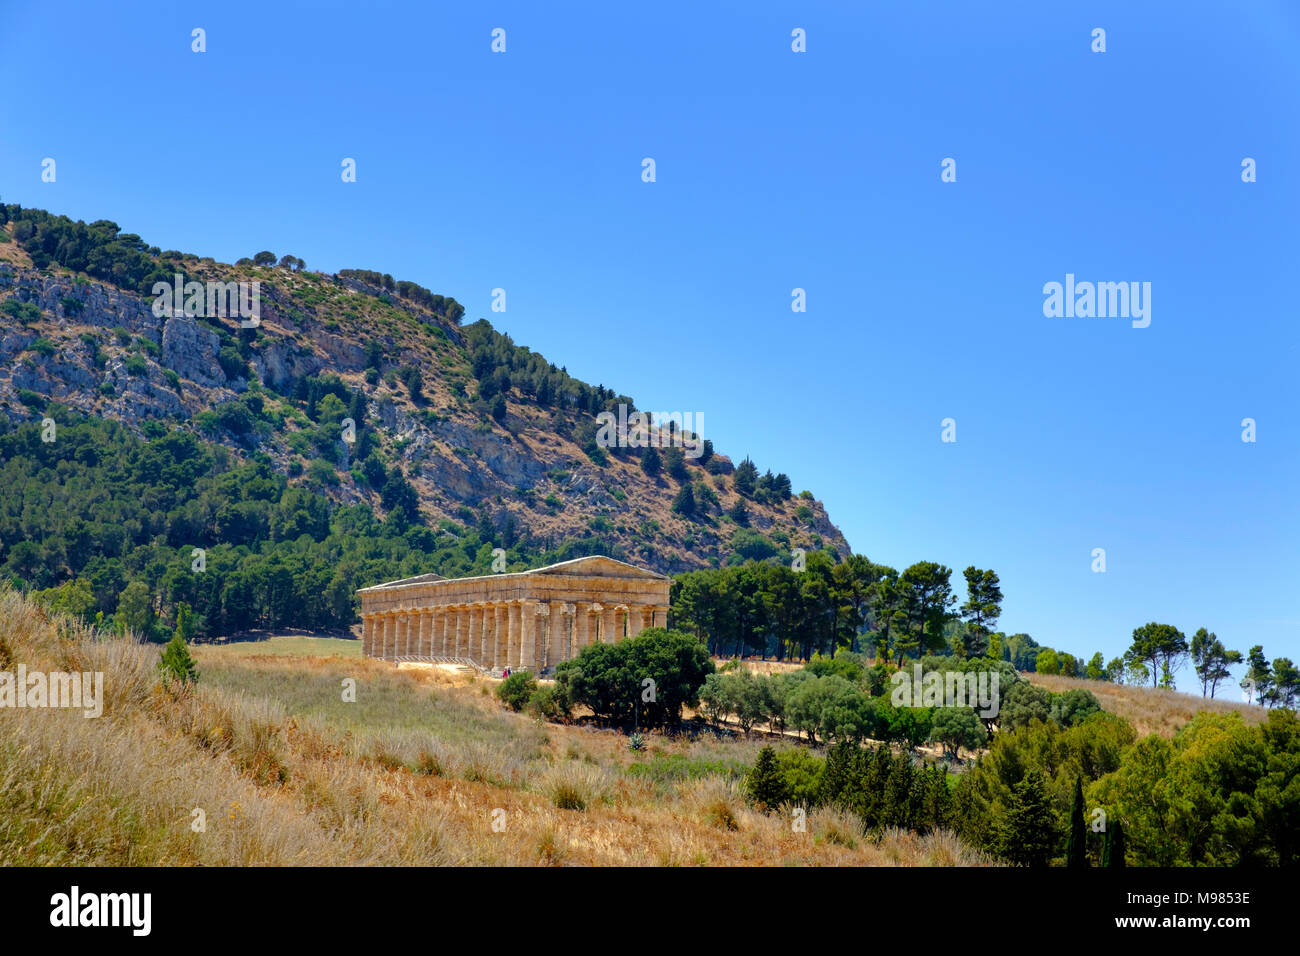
[(1149, 709), (286, 772)]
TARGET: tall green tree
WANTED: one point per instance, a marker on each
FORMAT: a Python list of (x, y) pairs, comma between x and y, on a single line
[(927, 600), (1076, 847), (764, 783), (1286, 683), (1259, 675), (1112, 853), (1211, 660), (981, 611), (745, 478), (1161, 647), (1027, 832)]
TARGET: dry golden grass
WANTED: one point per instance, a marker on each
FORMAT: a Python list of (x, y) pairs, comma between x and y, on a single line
[(1149, 709), (294, 645), (423, 768)]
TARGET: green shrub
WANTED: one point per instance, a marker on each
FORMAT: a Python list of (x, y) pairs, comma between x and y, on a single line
[(549, 702), (516, 690), (43, 347), (611, 678), (136, 365), (176, 664), (232, 363), (24, 312), (322, 472)]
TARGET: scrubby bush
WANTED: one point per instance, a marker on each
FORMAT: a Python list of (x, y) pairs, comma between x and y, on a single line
[(516, 690)]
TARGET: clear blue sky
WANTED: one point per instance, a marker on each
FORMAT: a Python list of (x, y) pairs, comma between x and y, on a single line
[(779, 170)]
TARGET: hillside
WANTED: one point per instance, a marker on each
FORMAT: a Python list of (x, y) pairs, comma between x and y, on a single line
[(415, 773), (1151, 710), (482, 432)]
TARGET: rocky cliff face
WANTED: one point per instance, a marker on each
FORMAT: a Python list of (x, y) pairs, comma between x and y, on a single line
[(101, 350)]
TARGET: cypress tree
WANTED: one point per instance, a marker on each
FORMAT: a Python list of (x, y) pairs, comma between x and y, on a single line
[(1076, 848), (1112, 853), (765, 784), (837, 775)]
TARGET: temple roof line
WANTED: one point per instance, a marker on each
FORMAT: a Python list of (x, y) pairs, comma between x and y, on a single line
[(601, 565)]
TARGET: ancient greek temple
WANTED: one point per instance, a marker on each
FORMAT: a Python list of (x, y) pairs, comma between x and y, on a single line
[(524, 620)]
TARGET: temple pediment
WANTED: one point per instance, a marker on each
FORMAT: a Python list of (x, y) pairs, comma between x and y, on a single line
[(599, 566)]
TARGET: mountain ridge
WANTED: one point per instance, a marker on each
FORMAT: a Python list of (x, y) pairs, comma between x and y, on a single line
[(476, 425)]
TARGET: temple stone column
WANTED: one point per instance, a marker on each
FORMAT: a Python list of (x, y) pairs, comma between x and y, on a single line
[(403, 634), (559, 623), (474, 647), (514, 657), (581, 626), (485, 644), (499, 647), (623, 625), (422, 633), (609, 633), (385, 633), (461, 624), (367, 635), (529, 622), (441, 632), (543, 613), (636, 619)]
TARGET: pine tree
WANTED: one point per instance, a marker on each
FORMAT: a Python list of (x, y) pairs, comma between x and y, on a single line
[(1259, 675), (1027, 831), (684, 503), (745, 478), (650, 462), (1076, 848), (765, 784), (739, 514)]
